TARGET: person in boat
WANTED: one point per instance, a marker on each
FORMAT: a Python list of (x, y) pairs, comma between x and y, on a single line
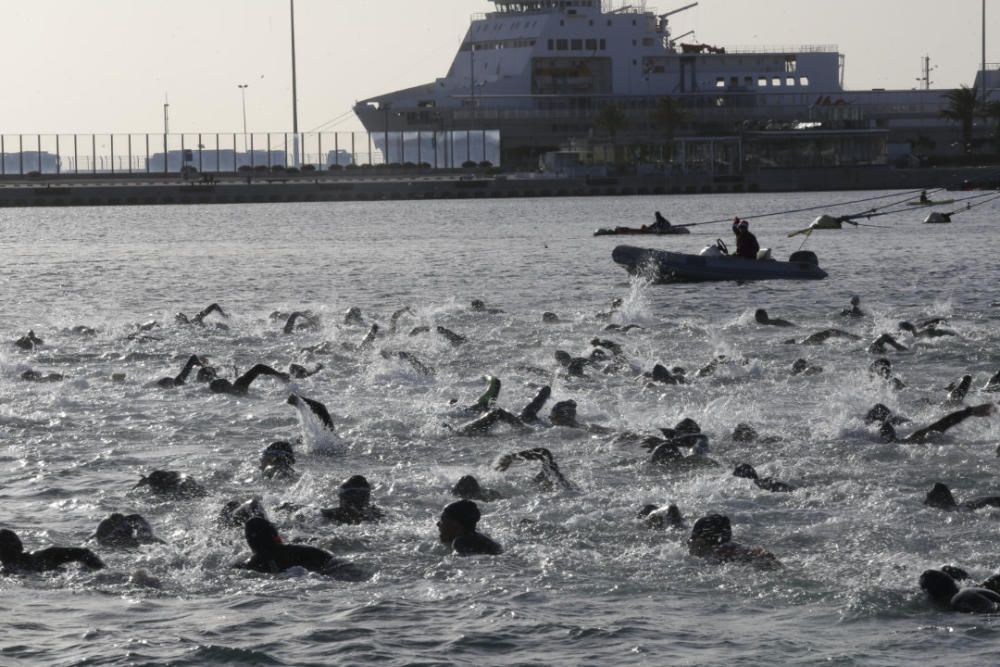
[(14, 559), (747, 246), (661, 225), (943, 590), (457, 529), (940, 497), (923, 197), (711, 539)]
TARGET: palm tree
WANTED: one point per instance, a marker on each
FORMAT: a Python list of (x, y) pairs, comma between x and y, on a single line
[(668, 116), (611, 118), (963, 106)]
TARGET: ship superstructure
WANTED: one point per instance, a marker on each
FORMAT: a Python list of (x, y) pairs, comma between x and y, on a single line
[(540, 71)]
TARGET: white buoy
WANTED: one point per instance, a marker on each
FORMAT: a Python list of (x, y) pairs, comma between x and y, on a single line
[(826, 222)]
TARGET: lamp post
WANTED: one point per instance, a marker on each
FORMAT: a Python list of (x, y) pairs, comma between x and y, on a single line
[(243, 94), (295, 96)]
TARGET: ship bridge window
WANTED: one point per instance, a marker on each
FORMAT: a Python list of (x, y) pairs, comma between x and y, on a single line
[(591, 44), (748, 81), (803, 81), (762, 82), (562, 45), (791, 65), (577, 45), (734, 81), (790, 81), (720, 82), (776, 82)]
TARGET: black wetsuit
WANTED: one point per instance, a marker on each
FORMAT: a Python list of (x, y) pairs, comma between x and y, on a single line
[(242, 384), (475, 543), (15, 559), (273, 556)]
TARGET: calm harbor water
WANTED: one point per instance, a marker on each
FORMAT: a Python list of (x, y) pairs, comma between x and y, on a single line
[(581, 581)]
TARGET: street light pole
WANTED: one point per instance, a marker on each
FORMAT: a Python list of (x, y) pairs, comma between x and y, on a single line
[(984, 52), (243, 93), (295, 95)]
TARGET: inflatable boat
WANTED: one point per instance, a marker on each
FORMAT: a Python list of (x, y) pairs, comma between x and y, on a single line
[(632, 231), (714, 263)]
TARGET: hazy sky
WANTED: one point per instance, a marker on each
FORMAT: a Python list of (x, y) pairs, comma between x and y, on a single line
[(105, 65)]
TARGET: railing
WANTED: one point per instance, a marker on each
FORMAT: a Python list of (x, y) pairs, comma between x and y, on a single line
[(237, 153), (742, 50)]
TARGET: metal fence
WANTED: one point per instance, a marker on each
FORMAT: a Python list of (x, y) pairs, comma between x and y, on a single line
[(28, 154)]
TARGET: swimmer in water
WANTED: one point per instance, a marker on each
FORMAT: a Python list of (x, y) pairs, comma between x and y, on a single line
[(410, 358), (235, 513), (746, 471), (882, 415), (119, 531), (803, 367), (300, 321), (882, 368), (479, 306), (944, 592), (711, 539), (35, 376), (662, 375), (821, 337), (369, 340), (181, 378), (616, 305), (277, 461), (468, 488), (15, 560), (355, 508), (300, 372), (761, 317), (854, 310), (29, 341), (171, 483), (927, 329), (656, 518), (199, 318), (242, 384), (881, 344), (457, 529), (548, 478), (958, 389), (452, 337), (314, 406), (353, 316), (941, 498), (272, 555)]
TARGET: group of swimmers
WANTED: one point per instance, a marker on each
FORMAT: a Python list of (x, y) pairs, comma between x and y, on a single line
[(710, 536)]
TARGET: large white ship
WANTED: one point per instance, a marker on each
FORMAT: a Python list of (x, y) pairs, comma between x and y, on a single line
[(540, 71)]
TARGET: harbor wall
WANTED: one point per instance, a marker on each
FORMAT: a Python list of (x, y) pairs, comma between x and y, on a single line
[(98, 191)]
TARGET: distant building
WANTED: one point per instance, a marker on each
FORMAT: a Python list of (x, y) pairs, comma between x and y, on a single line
[(26, 162), (211, 160)]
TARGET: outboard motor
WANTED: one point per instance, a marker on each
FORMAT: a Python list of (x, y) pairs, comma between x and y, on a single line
[(710, 251), (937, 217), (804, 257)]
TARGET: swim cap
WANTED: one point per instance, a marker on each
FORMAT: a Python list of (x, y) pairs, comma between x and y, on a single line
[(746, 471), (467, 487), (687, 426), (563, 413), (261, 534), (10, 544), (714, 528), (355, 491), (744, 225), (940, 496), (464, 512), (938, 585)]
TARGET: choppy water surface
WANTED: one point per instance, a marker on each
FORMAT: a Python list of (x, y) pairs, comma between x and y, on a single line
[(582, 581)]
